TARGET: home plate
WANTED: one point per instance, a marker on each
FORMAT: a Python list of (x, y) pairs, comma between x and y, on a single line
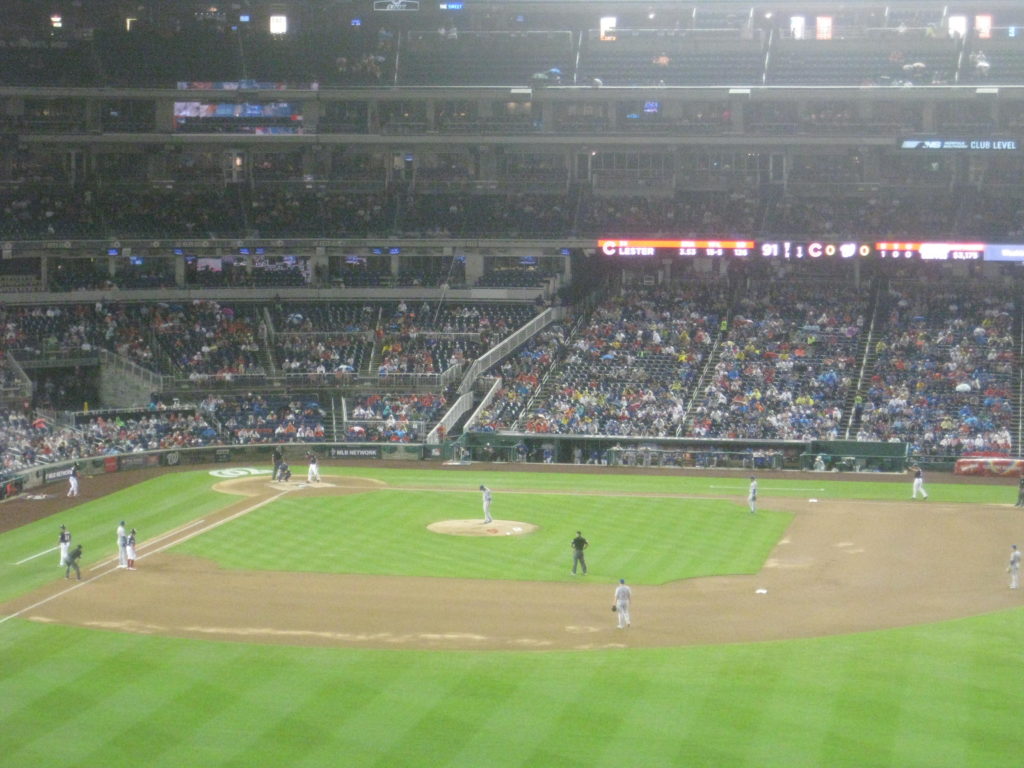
[(812, 501), (761, 591)]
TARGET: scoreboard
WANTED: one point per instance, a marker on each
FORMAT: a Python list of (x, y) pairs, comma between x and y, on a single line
[(790, 249), (643, 248), (932, 251), (785, 249), (810, 249)]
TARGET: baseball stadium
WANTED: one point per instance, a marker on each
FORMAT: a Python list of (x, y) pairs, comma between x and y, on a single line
[(336, 334)]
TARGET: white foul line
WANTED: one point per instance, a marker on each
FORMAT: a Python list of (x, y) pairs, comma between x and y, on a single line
[(37, 554), (175, 532), (82, 583)]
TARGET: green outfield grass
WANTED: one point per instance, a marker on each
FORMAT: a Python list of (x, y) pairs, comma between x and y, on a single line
[(937, 695)]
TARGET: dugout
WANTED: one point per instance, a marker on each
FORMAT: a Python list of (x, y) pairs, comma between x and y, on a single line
[(629, 451), (856, 456)]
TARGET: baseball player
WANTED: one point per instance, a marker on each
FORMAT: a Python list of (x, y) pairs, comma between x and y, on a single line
[(752, 495), (278, 457), (623, 595), (122, 545), (129, 550), (64, 542), (1020, 493), (578, 545), (487, 503), (313, 474), (73, 480), (918, 486), (284, 474), (1014, 567), (71, 561)]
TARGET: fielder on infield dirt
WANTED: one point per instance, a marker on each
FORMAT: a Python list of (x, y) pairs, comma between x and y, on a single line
[(1014, 567), (623, 596)]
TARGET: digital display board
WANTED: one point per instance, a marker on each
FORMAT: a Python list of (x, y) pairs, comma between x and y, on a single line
[(1004, 252), (816, 249), (889, 250), (676, 247), (931, 251), (972, 145)]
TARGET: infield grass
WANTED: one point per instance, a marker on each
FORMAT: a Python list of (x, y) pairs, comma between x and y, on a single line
[(653, 540), (929, 696)]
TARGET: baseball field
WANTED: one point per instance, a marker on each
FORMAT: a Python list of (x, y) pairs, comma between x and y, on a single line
[(373, 619)]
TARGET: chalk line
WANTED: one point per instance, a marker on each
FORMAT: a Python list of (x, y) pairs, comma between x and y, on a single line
[(38, 554), (83, 582)]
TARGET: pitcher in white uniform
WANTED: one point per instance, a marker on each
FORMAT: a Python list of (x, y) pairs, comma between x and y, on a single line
[(487, 503)]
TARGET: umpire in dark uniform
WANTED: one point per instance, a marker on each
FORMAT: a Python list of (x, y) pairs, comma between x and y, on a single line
[(578, 545), (71, 562), (1020, 493)]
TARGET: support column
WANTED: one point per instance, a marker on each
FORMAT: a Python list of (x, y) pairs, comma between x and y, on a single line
[(179, 271), (474, 268)]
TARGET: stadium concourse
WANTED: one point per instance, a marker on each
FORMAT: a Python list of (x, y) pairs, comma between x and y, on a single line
[(824, 577)]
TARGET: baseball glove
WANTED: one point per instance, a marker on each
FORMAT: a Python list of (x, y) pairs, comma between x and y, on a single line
[(614, 608)]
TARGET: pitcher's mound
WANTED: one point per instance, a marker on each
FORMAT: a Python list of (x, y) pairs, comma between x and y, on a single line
[(478, 527)]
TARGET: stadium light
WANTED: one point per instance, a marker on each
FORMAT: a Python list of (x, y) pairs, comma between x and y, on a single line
[(278, 25)]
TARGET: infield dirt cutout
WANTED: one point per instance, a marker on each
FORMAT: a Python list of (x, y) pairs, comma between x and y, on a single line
[(842, 566)]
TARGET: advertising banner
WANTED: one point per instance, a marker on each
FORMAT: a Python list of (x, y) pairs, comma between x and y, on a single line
[(132, 461), (987, 466), (50, 475), (355, 452)]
